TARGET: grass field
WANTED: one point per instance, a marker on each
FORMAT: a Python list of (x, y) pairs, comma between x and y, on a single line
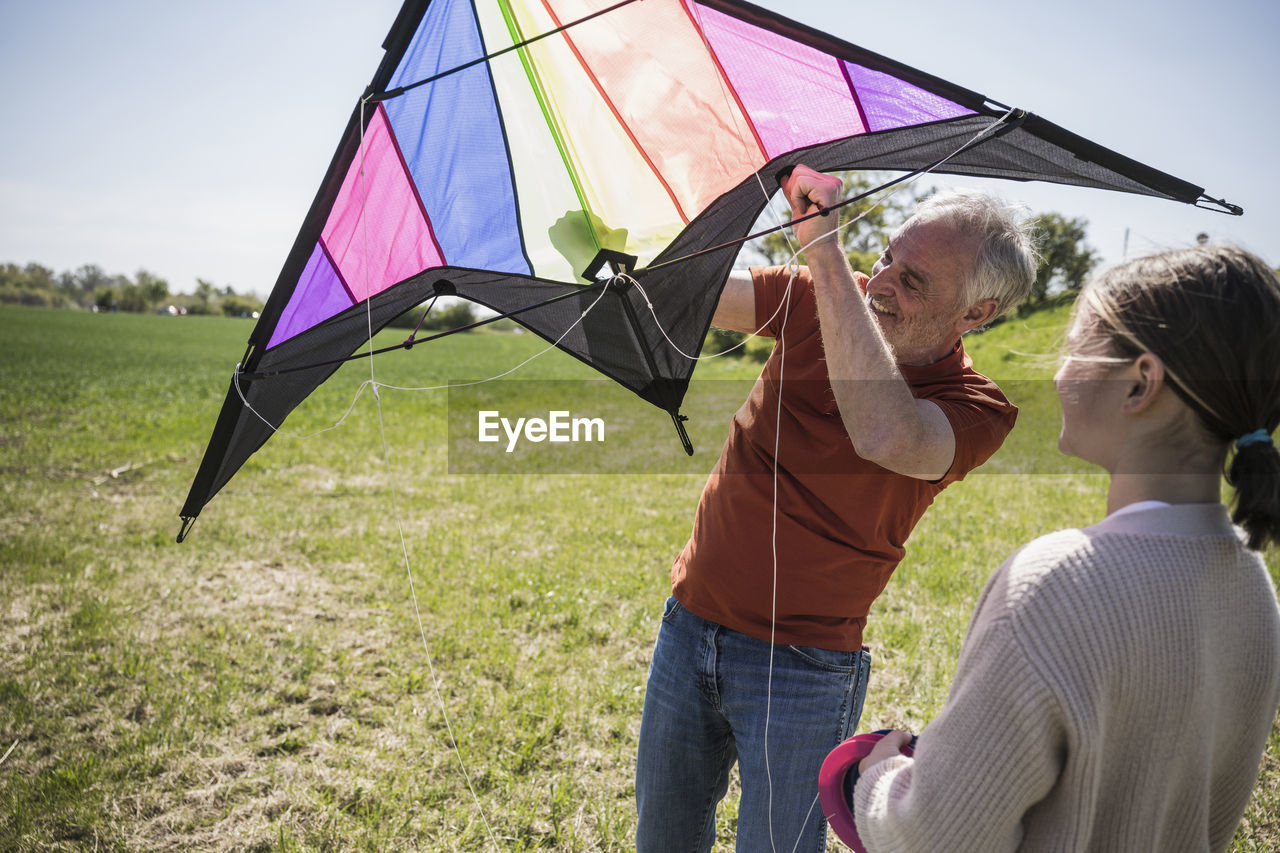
[(266, 686)]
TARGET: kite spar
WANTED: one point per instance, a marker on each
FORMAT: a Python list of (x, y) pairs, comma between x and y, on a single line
[(506, 151)]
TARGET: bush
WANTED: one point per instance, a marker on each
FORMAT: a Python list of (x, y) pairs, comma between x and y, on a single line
[(235, 305), (32, 296), (439, 320), (723, 340)]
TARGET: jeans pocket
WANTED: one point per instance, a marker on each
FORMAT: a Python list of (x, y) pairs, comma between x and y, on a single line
[(670, 609), (826, 659)]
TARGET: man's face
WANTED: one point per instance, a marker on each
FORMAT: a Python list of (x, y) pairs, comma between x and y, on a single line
[(915, 288)]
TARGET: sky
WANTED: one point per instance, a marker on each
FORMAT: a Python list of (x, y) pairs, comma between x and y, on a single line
[(188, 139)]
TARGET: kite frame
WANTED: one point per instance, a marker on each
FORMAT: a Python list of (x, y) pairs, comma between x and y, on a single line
[(664, 392)]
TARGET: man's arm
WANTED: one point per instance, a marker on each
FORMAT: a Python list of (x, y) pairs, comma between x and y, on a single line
[(736, 310), (885, 421)]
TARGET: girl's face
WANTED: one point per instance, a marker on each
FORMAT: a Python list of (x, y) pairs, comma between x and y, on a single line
[(1090, 391)]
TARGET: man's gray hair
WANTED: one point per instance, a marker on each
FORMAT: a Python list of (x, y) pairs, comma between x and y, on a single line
[(1005, 266)]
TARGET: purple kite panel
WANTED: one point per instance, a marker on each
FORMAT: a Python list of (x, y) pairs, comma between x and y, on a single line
[(318, 296), (795, 95), (891, 103)]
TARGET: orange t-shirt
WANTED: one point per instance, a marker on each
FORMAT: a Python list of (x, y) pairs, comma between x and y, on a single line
[(842, 522)]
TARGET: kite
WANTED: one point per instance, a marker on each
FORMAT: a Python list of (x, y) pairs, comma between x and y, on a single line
[(590, 168)]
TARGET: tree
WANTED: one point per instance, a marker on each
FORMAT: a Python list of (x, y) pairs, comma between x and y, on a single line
[(90, 277), (66, 283), (38, 277), (206, 296), (133, 299), (105, 299), (1065, 259), (152, 288), (441, 319)]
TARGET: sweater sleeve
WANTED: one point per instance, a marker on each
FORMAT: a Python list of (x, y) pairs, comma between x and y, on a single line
[(993, 752)]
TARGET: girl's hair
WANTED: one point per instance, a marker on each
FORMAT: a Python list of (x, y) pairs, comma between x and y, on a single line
[(1212, 315)]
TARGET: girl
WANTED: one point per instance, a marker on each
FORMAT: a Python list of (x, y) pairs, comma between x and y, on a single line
[(1117, 683)]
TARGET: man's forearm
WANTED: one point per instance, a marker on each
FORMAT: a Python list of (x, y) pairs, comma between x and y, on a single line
[(878, 409)]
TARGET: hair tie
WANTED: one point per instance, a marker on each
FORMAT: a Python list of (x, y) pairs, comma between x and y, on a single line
[(1258, 436)]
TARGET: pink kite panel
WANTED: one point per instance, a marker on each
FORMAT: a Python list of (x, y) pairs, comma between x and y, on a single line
[(796, 95), (377, 233)]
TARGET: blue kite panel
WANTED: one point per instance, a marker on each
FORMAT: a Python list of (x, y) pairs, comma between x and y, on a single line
[(451, 136)]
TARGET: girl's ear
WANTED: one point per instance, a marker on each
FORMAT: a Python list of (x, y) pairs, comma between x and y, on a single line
[(1146, 377)]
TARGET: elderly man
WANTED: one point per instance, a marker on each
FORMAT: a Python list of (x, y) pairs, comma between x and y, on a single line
[(867, 408)]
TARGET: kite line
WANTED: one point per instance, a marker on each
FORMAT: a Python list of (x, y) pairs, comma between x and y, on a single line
[(1006, 122), (400, 90), (645, 345), (603, 286), (902, 182)]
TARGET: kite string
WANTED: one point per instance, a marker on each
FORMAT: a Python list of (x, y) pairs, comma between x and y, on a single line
[(785, 307), (553, 345), (235, 379), (372, 381), (793, 261), (792, 264), (773, 544), (395, 504)]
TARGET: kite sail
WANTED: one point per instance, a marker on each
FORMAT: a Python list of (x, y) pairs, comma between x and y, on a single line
[(507, 149)]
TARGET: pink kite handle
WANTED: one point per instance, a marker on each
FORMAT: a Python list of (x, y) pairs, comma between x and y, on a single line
[(831, 784)]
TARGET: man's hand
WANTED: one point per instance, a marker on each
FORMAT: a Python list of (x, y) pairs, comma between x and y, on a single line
[(811, 192)]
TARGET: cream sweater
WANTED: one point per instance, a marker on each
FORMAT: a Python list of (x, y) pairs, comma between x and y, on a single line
[(1115, 692)]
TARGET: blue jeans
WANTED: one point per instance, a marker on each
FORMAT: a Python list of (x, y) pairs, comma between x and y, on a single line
[(716, 696)]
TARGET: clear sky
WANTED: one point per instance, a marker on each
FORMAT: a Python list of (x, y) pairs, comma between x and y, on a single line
[(189, 138)]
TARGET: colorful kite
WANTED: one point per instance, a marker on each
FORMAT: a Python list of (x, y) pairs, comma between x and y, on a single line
[(508, 150)]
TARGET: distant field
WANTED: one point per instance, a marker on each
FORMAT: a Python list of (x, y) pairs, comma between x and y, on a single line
[(265, 685)]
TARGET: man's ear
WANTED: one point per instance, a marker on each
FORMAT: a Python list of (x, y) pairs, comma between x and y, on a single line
[(1145, 377), (978, 314)]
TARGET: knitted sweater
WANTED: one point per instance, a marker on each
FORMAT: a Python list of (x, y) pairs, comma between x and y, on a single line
[(1115, 692)]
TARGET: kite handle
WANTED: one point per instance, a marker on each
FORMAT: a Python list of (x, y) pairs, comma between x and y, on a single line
[(831, 784)]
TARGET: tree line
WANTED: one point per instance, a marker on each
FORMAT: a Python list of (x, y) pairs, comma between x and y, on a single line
[(1066, 261), (91, 288)]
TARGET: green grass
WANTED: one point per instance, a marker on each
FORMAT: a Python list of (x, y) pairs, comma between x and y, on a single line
[(264, 686)]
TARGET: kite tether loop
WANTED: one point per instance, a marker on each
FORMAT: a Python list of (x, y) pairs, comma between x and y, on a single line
[(619, 284), (1218, 205)]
